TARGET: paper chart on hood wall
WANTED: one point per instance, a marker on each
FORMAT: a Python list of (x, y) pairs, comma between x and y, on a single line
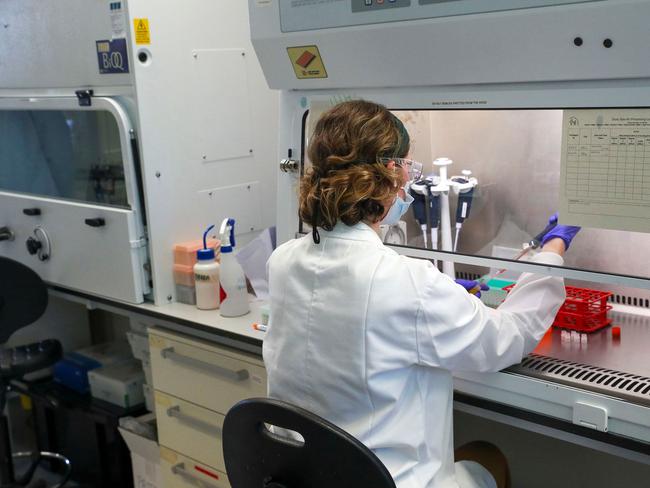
[(605, 169)]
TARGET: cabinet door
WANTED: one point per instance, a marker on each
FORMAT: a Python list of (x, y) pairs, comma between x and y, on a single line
[(179, 471), (195, 431), (69, 186), (202, 373)]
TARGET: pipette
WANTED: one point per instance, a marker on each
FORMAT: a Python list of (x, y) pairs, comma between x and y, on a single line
[(534, 243), (464, 186), (434, 218), (426, 209), (419, 191)]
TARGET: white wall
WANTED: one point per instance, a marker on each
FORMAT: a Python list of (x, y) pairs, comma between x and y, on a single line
[(208, 126)]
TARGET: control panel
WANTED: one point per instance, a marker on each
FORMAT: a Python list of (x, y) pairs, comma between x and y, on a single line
[(369, 5), (302, 15)]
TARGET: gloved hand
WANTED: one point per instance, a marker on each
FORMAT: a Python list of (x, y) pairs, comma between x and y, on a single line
[(473, 287), (564, 232)]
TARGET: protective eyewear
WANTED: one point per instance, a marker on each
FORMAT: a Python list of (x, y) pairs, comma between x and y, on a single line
[(414, 168)]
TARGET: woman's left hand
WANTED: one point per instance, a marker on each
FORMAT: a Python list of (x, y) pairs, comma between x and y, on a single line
[(473, 287)]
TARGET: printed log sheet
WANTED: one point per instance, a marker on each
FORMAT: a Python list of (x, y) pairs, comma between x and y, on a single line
[(605, 169)]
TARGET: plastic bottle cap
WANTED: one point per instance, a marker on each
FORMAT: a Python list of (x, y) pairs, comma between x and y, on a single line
[(205, 254), (616, 332)]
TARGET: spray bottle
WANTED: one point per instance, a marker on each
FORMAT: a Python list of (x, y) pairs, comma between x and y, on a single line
[(234, 294), (206, 276)]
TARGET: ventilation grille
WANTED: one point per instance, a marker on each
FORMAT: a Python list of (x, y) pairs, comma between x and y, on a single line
[(614, 383), (630, 300), (462, 275)]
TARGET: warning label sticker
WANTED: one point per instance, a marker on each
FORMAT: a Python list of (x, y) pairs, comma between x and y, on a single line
[(141, 29), (307, 62)]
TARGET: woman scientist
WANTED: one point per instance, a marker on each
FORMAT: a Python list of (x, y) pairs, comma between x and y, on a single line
[(367, 338)]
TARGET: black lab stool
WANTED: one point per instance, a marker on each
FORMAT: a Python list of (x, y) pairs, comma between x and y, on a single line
[(328, 458), (23, 299)]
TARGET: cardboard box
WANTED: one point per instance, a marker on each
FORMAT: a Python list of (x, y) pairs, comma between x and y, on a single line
[(149, 397), (119, 384), (145, 454), (148, 373), (139, 345)]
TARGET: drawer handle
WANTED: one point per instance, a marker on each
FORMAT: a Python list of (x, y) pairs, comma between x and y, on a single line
[(32, 212), (179, 469), (240, 375), (199, 424)]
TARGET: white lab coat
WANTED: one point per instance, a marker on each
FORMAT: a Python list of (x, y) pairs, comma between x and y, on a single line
[(367, 339)]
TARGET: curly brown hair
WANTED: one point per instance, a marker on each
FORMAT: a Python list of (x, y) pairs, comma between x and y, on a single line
[(347, 181)]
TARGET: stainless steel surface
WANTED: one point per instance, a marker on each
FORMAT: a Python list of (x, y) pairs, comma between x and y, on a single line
[(619, 368), (629, 355)]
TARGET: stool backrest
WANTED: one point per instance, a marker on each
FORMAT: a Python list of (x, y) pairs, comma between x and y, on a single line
[(328, 457), (23, 297)]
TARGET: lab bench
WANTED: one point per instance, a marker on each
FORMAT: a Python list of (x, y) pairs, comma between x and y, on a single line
[(237, 333), (202, 364), (196, 382)]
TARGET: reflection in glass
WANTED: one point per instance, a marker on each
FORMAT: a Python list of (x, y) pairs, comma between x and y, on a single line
[(515, 157), (74, 155)]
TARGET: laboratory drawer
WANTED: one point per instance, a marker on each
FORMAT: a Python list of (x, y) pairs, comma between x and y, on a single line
[(189, 429), (179, 471), (202, 373)]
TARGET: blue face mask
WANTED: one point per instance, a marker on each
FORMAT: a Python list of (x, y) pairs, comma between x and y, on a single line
[(397, 209)]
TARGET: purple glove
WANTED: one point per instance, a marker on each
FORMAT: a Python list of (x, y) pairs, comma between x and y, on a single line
[(473, 287), (564, 232)]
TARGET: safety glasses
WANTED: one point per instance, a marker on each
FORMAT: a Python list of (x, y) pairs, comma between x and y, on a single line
[(414, 168)]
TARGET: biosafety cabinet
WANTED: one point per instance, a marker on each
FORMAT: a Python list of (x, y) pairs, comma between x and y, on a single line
[(517, 110), (127, 127)]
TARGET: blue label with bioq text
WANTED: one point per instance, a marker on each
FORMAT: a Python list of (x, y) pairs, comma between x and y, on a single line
[(112, 56)]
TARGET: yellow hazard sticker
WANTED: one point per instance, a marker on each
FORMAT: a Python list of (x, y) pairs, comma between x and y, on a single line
[(26, 402), (307, 62), (157, 342), (162, 399), (167, 455), (141, 29)]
